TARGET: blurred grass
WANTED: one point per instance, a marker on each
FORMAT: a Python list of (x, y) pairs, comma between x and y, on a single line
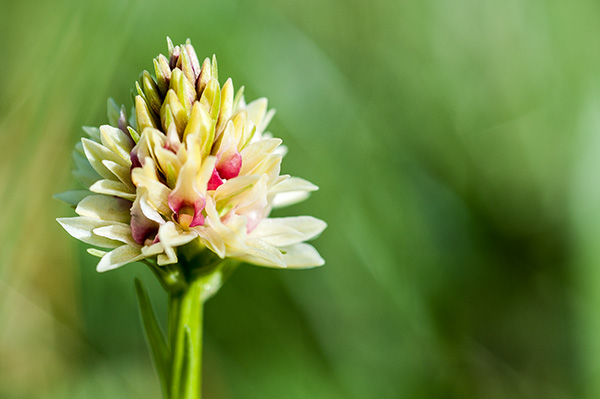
[(455, 145)]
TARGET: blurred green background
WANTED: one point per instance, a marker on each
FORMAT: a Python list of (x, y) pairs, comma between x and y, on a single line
[(456, 144)]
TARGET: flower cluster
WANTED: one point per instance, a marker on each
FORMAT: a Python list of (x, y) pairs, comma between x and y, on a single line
[(192, 166)]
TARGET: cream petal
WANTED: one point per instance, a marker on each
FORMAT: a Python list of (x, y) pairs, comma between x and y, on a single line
[(104, 207), (118, 257), (255, 152), (96, 153), (301, 256), (168, 258), (213, 241), (171, 235), (111, 187), (187, 190), (114, 139), (291, 191), (157, 193), (287, 231), (120, 172), (268, 164), (265, 121), (260, 253), (82, 229), (231, 192), (119, 232), (96, 252), (286, 199), (256, 110), (153, 249), (293, 184), (148, 210), (253, 200)]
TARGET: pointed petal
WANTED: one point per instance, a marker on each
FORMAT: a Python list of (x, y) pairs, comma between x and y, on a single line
[(301, 256), (82, 227), (172, 235), (260, 253), (111, 187), (118, 232), (96, 153), (72, 197), (287, 231), (120, 172), (115, 140), (104, 207), (118, 257)]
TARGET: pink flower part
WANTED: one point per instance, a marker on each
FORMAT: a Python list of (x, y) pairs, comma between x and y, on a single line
[(215, 180), (253, 219), (142, 228), (230, 167), (187, 214), (135, 160)]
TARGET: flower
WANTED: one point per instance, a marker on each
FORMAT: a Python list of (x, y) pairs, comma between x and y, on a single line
[(192, 167)]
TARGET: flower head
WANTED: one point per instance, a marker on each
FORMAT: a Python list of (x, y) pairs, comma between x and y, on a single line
[(192, 168)]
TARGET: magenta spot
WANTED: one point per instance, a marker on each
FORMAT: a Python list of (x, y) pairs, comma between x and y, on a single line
[(230, 168), (135, 160), (215, 180), (176, 203), (142, 228)]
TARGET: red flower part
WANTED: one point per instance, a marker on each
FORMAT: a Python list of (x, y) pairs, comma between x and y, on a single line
[(230, 167), (142, 228), (215, 180), (187, 214), (135, 160)]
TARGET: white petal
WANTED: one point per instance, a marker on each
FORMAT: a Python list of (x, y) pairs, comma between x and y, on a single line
[(288, 231), (117, 141), (256, 152), (118, 231), (293, 184), (153, 249), (96, 153), (232, 190), (172, 235), (96, 252), (301, 256), (146, 177), (260, 253), (120, 172), (256, 111), (82, 227), (167, 258), (286, 199), (104, 207), (112, 187), (119, 257), (291, 191), (148, 210)]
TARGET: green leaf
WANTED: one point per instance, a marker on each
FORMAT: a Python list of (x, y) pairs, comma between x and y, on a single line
[(152, 92), (211, 98), (156, 340), (113, 112), (134, 135), (72, 197), (215, 69)]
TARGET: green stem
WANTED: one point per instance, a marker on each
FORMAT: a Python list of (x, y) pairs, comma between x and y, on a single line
[(185, 334)]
